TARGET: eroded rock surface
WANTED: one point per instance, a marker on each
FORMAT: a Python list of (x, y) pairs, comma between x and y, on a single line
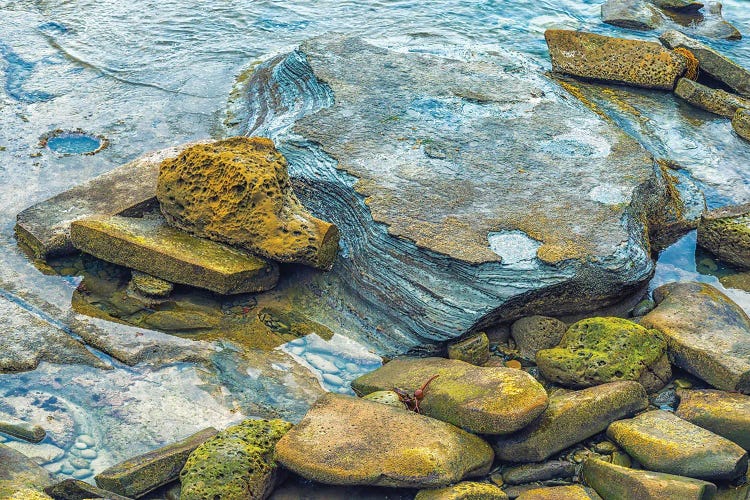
[(712, 100), (725, 232), (741, 123), (724, 413)]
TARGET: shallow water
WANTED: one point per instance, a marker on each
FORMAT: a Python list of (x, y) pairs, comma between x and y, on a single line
[(147, 74)]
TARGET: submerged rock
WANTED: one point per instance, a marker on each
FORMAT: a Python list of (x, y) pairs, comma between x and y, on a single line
[(534, 333), (530, 473), (714, 101), (724, 413), (23, 430), (474, 349), (725, 232), (150, 286), (465, 490), (741, 123), (73, 489), (677, 4), (632, 14), (18, 472)]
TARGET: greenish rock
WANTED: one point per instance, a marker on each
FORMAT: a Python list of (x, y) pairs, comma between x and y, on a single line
[(534, 333), (571, 417), (598, 350), (18, 472), (139, 475), (181, 320), (151, 286), (351, 441), (466, 490), (677, 4), (741, 123), (23, 430), (150, 246), (484, 400), (474, 349), (390, 398), (715, 101), (73, 489), (707, 334), (236, 464), (642, 308), (572, 492), (724, 413), (663, 442), (28, 494), (739, 281), (725, 232), (529, 473), (631, 14)]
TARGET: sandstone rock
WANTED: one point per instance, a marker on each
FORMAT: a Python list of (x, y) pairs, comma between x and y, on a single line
[(150, 286), (707, 334), (710, 61), (642, 308), (677, 4), (617, 60), (613, 482), (741, 123), (390, 398), (236, 464), (139, 475), (28, 494), (150, 246), (632, 14), (715, 101), (533, 333), (237, 191), (465, 490), (725, 232), (663, 442), (724, 413), (474, 349), (345, 440), (571, 417), (573, 492), (18, 472), (23, 430), (73, 489), (530, 473), (486, 400), (598, 350)]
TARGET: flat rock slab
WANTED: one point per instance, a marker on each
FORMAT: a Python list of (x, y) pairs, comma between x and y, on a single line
[(346, 440), (724, 413), (73, 489), (708, 335), (712, 100), (573, 492), (741, 123), (725, 232), (153, 247), (466, 490), (18, 472), (663, 442), (484, 400), (571, 417), (23, 430), (528, 473)]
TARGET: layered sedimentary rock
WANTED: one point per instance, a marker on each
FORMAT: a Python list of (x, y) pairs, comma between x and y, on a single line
[(724, 413), (725, 232), (712, 100)]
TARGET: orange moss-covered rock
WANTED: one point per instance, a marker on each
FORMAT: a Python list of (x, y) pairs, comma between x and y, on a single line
[(237, 191)]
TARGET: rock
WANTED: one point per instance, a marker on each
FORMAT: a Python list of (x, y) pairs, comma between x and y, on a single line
[(474, 349), (390, 398), (642, 308), (573, 492), (139, 475), (169, 321), (713, 24), (707, 334), (741, 123), (484, 400), (18, 472), (150, 246), (677, 4), (613, 482), (570, 418), (663, 442), (631, 14), (41, 453), (238, 191), (530, 473), (150, 286), (28, 494), (466, 490), (599, 350), (533, 333), (723, 413), (714, 101), (710, 61), (236, 464), (346, 440), (23, 430), (617, 60), (73, 489), (725, 232)]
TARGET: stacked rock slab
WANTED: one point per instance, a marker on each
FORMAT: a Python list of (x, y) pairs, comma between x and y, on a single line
[(631, 14), (714, 101), (465, 490), (724, 413), (725, 232), (741, 123)]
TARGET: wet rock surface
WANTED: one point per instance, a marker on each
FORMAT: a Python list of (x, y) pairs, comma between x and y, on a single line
[(534, 333), (724, 413), (17, 472), (465, 490), (632, 14), (716, 101), (73, 489), (725, 232), (573, 492), (539, 472), (741, 123)]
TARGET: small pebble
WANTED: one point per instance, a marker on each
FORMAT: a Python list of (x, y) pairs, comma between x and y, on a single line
[(320, 363), (333, 379), (605, 447), (622, 459), (66, 469), (89, 454), (86, 439), (513, 363), (79, 463), (352, 367), (496, 478), (682, 383), (82, 473), (80, 445), (296, 350)]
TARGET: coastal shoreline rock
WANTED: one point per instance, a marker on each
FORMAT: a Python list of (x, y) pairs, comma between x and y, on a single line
[(725, 233), (741, 123), (724, 413), (714, 101)]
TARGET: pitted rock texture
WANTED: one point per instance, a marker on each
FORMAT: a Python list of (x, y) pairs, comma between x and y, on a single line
[(237, 191), (725, 232), (714, 101), (724, 413), (466, 490), (741, 123)]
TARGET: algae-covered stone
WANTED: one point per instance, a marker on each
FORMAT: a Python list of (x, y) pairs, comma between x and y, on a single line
[(725, 232), (572, 492), (598, 350), (485, 400), (707, 334), (28, 494), (677, 4), (150, 246), (73, 489), (236, 464), (23, 430), (631, 14), (466, 490), (613, 482), (390, 398), (529, 473), (663, 442), (474, 349), (715, 101), (18, 472), (571, 417), (169, 321), (238, 191), (724, 413), (534, 333), (347, 440), (150, 286), (741, 123), (618, 60)]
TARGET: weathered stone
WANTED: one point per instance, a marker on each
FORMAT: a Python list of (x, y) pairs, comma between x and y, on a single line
[(707, 334), (613, 482), (631, 14), (474, 349), (617, 60), (28, 494), (571, 417), (485, 400), (170, 321), (642, 308), (237, 191), (73, 489), (346, 440), (725, 232), (724, 413), (139, 475), (533, 333), (18, 472), (663, 442), (715, 101), (41, 453), (150, 246), (677, 4), (598, 350), (236, 464), (23, 430), (573, 492), (741, 123), (387, 398), (713, 24), (466, 490), (530, 473), (150, 286), (710, 61)]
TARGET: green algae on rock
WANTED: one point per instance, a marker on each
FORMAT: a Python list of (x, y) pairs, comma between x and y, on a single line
[(18, 472), (387, 398), (529, 473), (599, 350), (73, 489), (465, 490), (741, 123), (573, 492), (238, 191), (236, 464), (725, 232), (150, 286), (724, 413), (23, 430), (715, 101), (474, 349)]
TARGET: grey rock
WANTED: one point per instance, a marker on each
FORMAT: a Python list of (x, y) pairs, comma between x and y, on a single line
[(677, 4), (534, 333), (714, 101), (19, 472), (73, 489), (530, 473), (632, 14)]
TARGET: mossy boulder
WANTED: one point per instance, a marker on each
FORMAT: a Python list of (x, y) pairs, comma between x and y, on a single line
[(28, 494), (236, 464), (741, 123), (18, 472), (150, 286), (237, 191), (598, 350), (529, 473), (724, 413), (466, 490), (474, 349), (725, 232), (572, 492), (390, 398)]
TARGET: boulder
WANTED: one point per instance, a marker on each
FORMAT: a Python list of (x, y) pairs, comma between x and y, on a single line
[(741, 123), (724, 413), (613, 482), (725, 232), (345, 440), (474, 349), (713, 25), (529, 473), (465, 490), (663, 442), (616, 60), (390, 398), (573, 492), (484, 400), (150, 286), (570, 418), (73, 489), (631, 14), (678, 5), (238, 191), (598, 350), (707, 334), (714, 101), (533, 333), (23, 430), (236, 464), (18, 472)]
